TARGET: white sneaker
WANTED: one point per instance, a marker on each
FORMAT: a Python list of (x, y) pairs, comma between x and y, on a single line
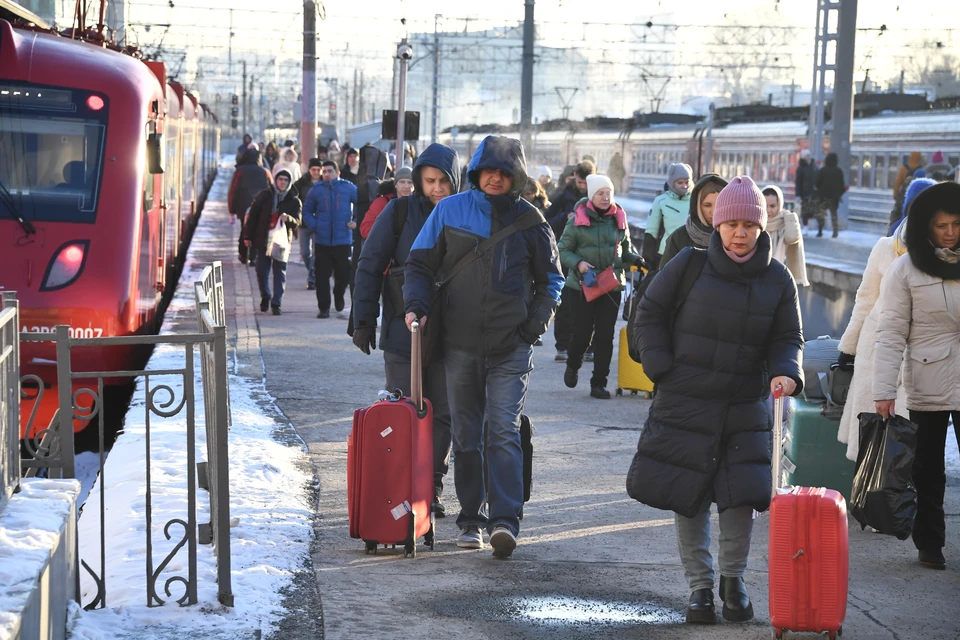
[(503, 542), (471, 537)]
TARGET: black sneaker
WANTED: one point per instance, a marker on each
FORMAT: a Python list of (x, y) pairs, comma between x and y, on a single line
[(324, 314), (338, 303), (561, 356), (570, 377), (275, 310), (933, 559), (311, 286), (264, 303), (588, 356), (600, 393), (438, 509)]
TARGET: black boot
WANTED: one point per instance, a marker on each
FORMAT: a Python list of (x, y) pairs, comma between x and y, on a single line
[(571, 376), (600, 392), (736, 603), (264, 303), (701, 609), (933, 559)]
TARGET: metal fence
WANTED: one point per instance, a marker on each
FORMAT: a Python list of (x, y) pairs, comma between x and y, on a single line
[(10, 398), (81, 398)]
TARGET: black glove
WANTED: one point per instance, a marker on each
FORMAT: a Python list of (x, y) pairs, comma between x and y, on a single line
[(640, 263), (365, 338), (845, 361), (526, 337)]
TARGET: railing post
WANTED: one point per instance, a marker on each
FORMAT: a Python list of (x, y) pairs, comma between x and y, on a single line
[(10, 399), (222, 469), (65, 397)]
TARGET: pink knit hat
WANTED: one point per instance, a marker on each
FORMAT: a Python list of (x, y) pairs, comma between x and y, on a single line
[(740, 200)]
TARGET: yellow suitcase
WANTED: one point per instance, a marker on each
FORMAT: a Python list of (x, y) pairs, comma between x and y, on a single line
[(630, 375)]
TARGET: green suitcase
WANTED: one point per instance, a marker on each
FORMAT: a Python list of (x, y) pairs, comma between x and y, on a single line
[(813, 457)]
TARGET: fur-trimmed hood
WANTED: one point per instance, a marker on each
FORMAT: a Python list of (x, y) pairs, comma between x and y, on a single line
[(944, 196)]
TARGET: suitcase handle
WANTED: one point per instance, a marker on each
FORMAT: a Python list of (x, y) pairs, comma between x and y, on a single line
[(777, 437), (416, 369)]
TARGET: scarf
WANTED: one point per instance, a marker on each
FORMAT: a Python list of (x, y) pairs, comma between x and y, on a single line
[(741, 259), (699, 234), (950, 256), (582, 218)]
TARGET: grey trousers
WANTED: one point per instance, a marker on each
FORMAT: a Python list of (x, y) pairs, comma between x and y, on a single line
[(693, 538), (397, 369)]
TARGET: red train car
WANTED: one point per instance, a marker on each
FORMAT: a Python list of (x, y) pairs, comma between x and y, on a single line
[(90, 235)]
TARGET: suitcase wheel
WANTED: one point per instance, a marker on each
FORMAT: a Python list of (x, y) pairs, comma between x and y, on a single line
[(633, 393), (778, 633), (371, 546), (410, 549), (619, 391)]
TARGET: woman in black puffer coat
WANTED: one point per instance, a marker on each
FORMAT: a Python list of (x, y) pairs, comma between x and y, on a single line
[(715, 360)]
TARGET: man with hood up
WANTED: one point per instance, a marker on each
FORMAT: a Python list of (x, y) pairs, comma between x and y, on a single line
[(436, 176), (805, 186), (288, 160), (494, 308), (668, 213), (249, 179), (698, 228)]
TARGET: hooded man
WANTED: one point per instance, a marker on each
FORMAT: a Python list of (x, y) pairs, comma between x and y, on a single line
[(697, 230), (249, 179), (805, 186), (495, 306), (668, 213), (435, 176), (289, 161), (277, 204), (351, 167)]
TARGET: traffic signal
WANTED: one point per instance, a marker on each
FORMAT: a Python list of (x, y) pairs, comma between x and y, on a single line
[(235, 99), (234, 123), (235, 111)]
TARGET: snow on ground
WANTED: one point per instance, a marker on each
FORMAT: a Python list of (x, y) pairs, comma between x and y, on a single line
[(269, 508)]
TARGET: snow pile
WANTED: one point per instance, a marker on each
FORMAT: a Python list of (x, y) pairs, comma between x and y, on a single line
[(30, 526)]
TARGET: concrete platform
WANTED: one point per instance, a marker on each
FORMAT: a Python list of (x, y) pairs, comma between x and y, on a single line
[(592, 563)]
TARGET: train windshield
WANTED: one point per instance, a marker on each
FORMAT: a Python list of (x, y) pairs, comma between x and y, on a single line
[(51, 153)]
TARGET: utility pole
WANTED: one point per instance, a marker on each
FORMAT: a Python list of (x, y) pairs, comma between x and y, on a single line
[(435, 111), (404, 53), (361, 113), (308, 101), (844, 89), (251, 114), (230, 48), (393, 86), (526, 78), (353, 105), (243, 100)]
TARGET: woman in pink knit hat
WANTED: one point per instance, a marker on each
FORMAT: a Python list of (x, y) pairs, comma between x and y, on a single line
[(718, 330)]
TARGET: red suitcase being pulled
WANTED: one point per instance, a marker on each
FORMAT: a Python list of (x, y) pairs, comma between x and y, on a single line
[(390, 468), (808, 555)]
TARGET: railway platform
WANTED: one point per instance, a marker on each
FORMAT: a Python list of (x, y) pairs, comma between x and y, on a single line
[(591, 563)]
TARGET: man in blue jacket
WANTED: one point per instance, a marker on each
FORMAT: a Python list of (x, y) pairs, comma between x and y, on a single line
[(328, 213), (436, 175), (494, 308)]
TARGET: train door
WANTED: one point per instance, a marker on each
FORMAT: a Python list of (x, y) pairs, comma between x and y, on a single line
[(188, 147), (171, 179)]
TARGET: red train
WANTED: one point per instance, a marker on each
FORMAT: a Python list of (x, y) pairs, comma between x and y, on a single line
[(103, 170)]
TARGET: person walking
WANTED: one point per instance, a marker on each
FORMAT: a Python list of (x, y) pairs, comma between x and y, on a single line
[(716, 357), (328, 213), (830, 187), (786, 237), (859, 341), (242, 149), (351, 167), (436, 176), (919, 326), (307, 181), (546, 179), (400, 187), (535, 194), (914, 162), (249, 179), (698, 228), (595, 238), (805, 186), (276, 205), (272, 154), (493, 310), (617, 172), (289, 160), (668, 213)]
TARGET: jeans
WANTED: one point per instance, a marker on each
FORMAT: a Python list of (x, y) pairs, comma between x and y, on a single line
[(929, 476), (306, 253), (693, 539), (264, 265), (563, 321), (336, 261), (488, 467), (397, 369), (599, 319)]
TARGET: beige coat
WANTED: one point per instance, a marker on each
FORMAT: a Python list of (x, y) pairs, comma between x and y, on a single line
[(919, 323), (860, 340)]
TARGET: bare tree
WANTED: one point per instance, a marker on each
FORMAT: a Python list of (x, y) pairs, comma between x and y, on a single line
[(746, 57), (932, 63)]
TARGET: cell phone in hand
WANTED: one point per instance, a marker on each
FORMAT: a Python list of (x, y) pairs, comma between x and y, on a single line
[(590, 277)]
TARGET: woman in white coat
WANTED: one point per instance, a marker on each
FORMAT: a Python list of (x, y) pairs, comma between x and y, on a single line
[(786, 238), (860, 338), (919, 326)]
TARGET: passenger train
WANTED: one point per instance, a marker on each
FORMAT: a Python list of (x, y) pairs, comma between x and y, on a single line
[(104, 166), (767, 151)]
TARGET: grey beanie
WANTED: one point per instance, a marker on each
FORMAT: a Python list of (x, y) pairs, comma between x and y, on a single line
[(678, 171), (403, 173)]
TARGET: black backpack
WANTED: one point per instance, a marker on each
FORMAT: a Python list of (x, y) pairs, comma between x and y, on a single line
[(691, 272), (374, 165)]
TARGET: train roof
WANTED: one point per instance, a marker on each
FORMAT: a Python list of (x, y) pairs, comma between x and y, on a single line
[(48, 59)]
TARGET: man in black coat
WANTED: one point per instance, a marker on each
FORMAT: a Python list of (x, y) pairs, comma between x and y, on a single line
[(831, 187), (805, 187), (249, 179)]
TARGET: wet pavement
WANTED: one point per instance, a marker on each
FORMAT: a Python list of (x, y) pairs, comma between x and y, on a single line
[(591, 562)]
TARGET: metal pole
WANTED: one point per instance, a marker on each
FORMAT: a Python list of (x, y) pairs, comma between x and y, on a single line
[(435, 111), (308, 103), (708, 155), (230, 48), (393, 86), (243, 101), (65, 401), (843, 90), (404, 53), (526, 77), (356, 100)]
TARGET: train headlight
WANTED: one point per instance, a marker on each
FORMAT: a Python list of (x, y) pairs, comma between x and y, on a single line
[(66, 265)]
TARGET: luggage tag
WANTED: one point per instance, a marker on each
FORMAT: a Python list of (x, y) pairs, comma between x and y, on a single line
[(401, 510)]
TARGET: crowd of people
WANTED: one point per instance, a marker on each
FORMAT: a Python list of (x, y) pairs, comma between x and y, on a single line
[(484, 258)]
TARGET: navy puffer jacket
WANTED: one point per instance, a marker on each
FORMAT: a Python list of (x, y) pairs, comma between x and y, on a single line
[(708, 434)]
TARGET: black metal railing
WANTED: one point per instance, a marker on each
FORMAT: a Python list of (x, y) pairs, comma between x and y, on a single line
[(10, 398)]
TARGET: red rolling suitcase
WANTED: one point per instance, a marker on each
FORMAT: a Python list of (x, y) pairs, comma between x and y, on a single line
[(390, 468), (808, 554)]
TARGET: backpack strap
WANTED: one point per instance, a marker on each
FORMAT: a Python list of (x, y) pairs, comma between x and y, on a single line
[(400, 210), (524, 221), (691, 272)]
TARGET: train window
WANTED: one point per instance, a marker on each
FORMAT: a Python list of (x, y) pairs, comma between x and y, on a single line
[(880, 172), (148, 190), (854, 171), (893, 168), (866, 175), (51, 153)]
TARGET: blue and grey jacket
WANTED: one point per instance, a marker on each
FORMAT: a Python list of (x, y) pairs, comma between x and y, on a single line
[(508, 295), (382, 246), (327, 210)]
